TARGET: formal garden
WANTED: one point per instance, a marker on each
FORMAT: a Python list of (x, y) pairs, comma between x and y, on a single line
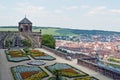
[(22, 72), (16, 56), (21, 55), (59, 71), (38, 55), (65, 72)]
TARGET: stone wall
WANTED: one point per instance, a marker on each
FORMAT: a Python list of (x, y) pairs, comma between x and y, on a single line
[(61, 54), (102, 70), (87, 63)]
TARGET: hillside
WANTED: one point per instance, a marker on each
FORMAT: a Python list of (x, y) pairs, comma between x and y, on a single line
[(61, 31)]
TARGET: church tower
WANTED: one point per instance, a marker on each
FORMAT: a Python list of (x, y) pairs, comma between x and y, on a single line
[(25, 25)]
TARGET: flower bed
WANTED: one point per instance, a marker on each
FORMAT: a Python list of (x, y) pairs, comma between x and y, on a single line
[(66, 70), (70, 72), (16, 56), (36, 54), (21, 72), (87, 78)]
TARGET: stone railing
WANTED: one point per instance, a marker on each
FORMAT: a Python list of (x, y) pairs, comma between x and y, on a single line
[(61, 54), (105, 71)]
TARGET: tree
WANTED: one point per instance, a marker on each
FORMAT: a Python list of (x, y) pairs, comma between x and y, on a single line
[(48, 40), (8, 43), (26, 43), (57, 74)]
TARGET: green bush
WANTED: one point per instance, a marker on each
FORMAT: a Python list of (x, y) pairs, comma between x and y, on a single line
[(48, 40), (26, 43)]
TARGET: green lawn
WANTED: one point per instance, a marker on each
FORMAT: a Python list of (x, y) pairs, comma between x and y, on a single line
[(51, 31), (114, 59), (8, 29)]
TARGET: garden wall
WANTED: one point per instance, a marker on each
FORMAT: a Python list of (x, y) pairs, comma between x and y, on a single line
[(61, 54), (102, 70)]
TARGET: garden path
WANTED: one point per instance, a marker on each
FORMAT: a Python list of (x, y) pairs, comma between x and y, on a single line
[(5, 73)]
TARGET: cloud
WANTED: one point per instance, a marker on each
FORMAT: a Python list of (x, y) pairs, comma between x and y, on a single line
[(98, 10), (41, 15), (84, 6), (57, 11), (71, 7), (2, 7), (29, 9), (104, 11), (115, 11)]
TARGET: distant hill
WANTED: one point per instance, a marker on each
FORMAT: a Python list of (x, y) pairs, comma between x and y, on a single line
[(8, 26), (61, 31)]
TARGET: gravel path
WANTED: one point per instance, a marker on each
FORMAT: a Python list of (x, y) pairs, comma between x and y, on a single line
[(5, 72)]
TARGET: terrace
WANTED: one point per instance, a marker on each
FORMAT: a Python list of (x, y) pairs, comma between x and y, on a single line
[(36, 70), (22, 71)]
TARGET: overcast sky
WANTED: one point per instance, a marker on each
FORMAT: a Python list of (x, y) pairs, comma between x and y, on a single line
[(78, 14)]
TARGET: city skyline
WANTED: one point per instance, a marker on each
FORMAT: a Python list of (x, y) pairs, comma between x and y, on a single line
[(76, 14)]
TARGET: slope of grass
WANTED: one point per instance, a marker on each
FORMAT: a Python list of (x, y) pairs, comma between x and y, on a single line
[(51, 31), (114, 59), (61, 31), (8, 29), (45, 30)]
